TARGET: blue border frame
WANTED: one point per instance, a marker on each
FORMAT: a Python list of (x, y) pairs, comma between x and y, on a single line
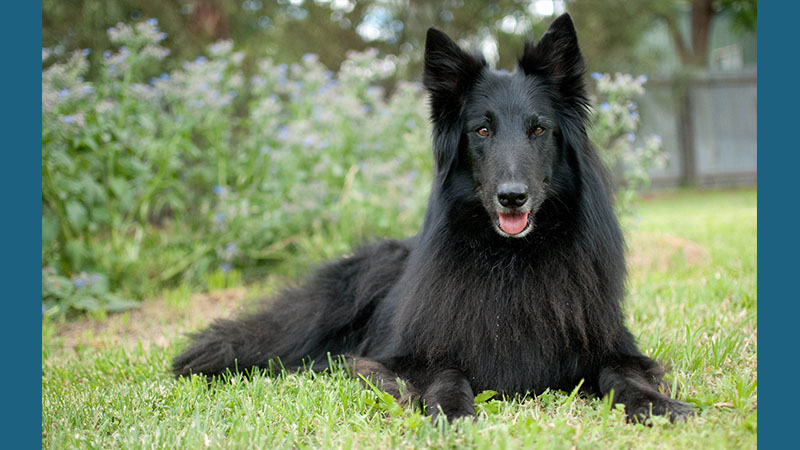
[(777, 229), (21, 182)]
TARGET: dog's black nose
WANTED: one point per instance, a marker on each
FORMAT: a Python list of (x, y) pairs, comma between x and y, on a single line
[(512, 195)]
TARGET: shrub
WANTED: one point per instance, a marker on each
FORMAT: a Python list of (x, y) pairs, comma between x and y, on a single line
[(149, 181), (614, 133)]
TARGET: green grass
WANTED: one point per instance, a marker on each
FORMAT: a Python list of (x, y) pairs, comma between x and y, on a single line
[(692, 304)]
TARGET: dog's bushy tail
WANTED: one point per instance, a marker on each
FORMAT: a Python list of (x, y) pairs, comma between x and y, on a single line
[(328, 315)]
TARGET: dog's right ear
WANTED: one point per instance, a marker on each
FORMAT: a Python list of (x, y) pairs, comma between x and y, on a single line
[(449, 73)]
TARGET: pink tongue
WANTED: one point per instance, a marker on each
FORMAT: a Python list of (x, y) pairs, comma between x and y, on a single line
[(513, 223)]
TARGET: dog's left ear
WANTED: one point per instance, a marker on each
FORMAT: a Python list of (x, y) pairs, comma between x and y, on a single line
[(557, 57)]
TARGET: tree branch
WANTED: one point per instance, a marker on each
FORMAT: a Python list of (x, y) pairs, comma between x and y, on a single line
[(680, 45)]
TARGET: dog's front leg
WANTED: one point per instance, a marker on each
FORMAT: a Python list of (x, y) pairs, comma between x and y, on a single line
[(449, 393), (634, 382)]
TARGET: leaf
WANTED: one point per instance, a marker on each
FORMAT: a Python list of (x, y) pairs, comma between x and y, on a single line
[(56, 287), (94, 193), (86, 303), (76, 215), (75, 252), (116, 304), (49, 230), (484, 396)]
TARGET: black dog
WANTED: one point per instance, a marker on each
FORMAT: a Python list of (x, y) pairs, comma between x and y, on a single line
[(514, 283)]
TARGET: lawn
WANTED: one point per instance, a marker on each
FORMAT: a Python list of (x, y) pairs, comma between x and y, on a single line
[(691, 304)]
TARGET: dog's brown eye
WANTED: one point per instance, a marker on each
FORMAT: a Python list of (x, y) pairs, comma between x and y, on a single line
[(482, 131), (537, 131)]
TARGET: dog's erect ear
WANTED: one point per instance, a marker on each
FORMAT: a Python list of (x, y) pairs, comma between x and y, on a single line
[(556, 56), (449, 73)]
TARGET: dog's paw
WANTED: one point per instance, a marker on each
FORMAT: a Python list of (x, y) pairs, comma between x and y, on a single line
[(674, 410)]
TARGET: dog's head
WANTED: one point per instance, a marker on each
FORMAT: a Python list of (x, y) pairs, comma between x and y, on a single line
[(510, 132)]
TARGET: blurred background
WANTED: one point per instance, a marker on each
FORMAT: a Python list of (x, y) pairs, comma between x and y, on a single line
[(198, 145)]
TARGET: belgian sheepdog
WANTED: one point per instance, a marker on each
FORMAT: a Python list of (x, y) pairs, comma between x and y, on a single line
[(514, 283)]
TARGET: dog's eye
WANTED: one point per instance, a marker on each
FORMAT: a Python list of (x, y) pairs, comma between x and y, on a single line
[(482, 131), (537, 131)]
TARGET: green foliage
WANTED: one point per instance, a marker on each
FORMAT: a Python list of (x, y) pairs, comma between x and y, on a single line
[(202, 176), (84, 292)]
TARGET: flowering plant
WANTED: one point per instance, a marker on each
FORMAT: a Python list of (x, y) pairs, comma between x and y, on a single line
[(615, 122)]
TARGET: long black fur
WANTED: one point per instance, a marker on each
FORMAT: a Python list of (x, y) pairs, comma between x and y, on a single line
[(468, 305)]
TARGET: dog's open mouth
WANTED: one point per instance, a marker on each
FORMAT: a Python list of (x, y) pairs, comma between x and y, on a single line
[(513, 223)]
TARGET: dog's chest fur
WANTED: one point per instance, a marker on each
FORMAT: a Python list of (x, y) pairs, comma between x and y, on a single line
[(516, 322)]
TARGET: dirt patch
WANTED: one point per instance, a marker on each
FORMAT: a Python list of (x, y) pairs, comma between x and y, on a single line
[(154, 323), (657, 251)]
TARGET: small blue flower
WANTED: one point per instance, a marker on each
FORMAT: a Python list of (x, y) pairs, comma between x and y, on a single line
[(162, 36), (63, 93), (107, 54), (630, 137), (283, 132), (219, 217), (633, 115), (152, 22), (366, 108), (597, 75), (112, 69), (80, 283), (604, 106), (309, 57), (164, 76), (69, 119), (200, 60), (219, 190), (226, 267), (308, 142), (86, 51), (282, 68), (230, 248), (642, 79)]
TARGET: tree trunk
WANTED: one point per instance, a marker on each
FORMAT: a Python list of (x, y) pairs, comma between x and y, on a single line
[(702, 13)]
